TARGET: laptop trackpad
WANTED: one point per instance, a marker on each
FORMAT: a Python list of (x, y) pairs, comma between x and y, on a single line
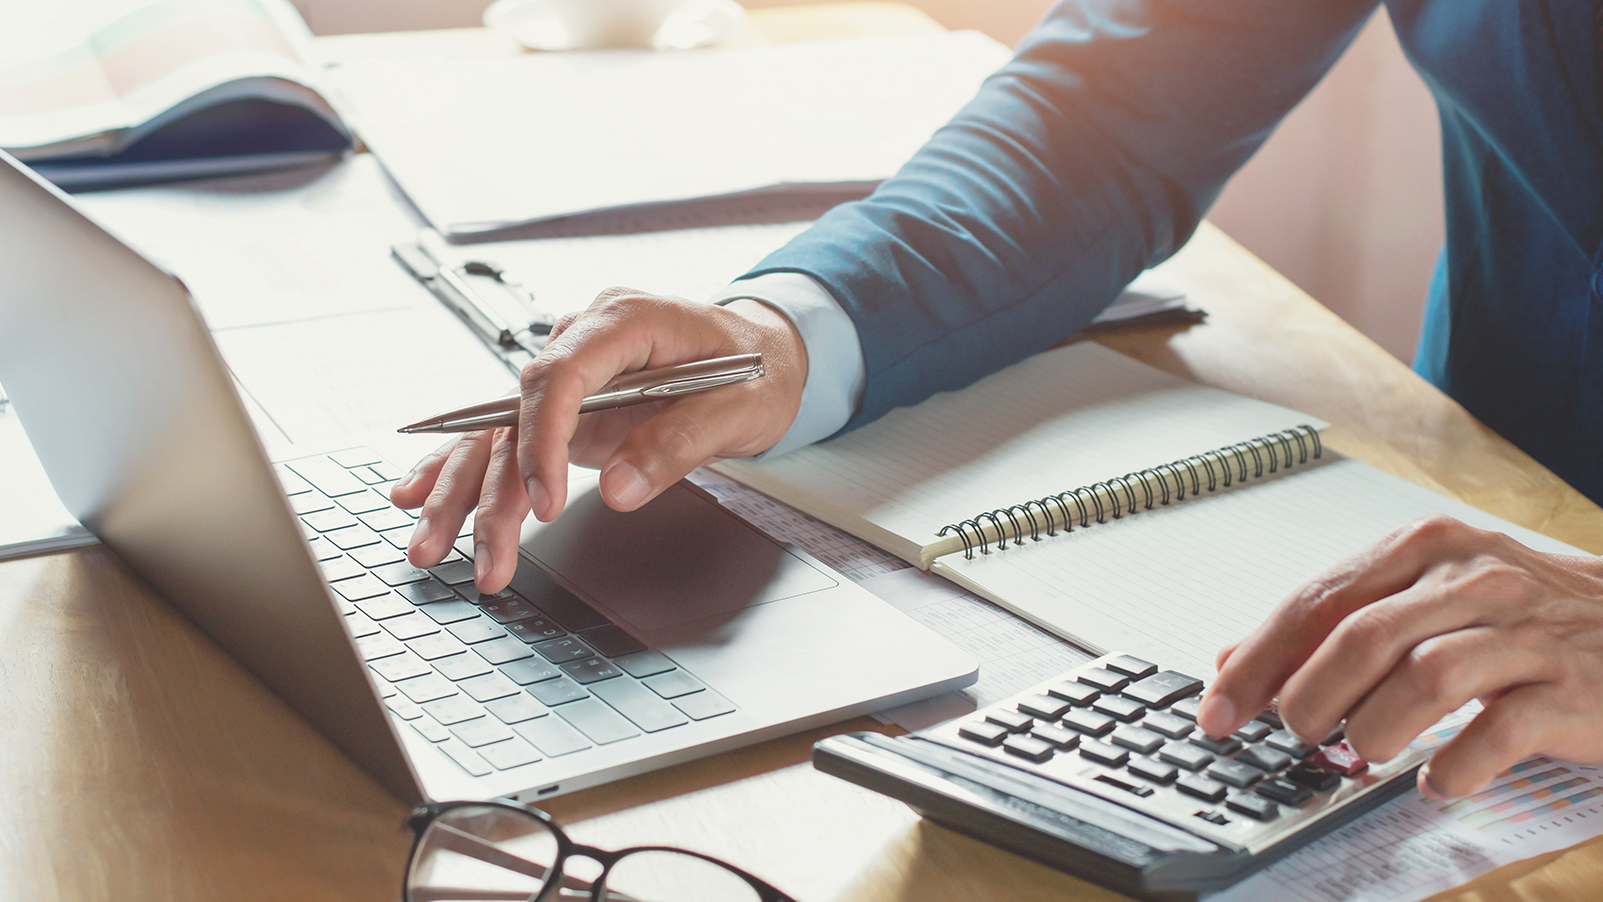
[(678, 559)]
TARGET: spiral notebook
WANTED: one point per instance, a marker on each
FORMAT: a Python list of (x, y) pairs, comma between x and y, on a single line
[(1107, 501)]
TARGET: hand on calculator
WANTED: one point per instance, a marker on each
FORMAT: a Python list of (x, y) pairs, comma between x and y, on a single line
[(640, 450)]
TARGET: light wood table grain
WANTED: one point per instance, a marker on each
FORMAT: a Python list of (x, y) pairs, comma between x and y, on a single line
[(138, 762)]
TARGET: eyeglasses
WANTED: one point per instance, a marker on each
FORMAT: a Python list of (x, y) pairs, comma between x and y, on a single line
[(508, 852)]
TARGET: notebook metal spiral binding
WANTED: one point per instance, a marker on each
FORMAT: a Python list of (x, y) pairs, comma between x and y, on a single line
[(1116, 497)]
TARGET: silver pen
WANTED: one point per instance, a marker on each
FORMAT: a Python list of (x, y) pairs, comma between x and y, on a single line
[(633, 388)]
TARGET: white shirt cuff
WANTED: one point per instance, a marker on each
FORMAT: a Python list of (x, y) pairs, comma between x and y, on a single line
[(835, 368)]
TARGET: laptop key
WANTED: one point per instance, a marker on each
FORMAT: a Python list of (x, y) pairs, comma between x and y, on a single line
[(552, 736), (400, 667), (385, 607), (455, 573), (309, 502), (644, 664), (561, 605), (597, 721), (409, 626), (388, 518), (354, 457), (400, 574), (338, 568), (489, 687), (640, 705), (530, 670), (467, 758), (328, 520), (516, 708), (509, 754), (479, 629), (612, 641), (368, 475), (559, 691), (507, 610), (673, 684), (291, 483), (376, 555), (364, 502), (360, 587), (453, 709), (404, 709), (462, 666), (704, 705), (323, 549), (426, 688), (436, 646), (329, 477), (560, 651), (503, 650), (431, 731), (536, 630), (424, 593), (481, 731), (359, 624), (351, 537), (398, 538), (591, 670), (447, 612), (378, 645)]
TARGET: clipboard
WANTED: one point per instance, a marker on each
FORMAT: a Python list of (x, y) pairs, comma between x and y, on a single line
[(499, 310)]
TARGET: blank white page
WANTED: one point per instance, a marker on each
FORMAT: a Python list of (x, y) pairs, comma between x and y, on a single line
[(1047, 424), (1177, 584)]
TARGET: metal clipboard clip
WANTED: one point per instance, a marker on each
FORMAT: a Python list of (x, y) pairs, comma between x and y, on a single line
[(500, 311)]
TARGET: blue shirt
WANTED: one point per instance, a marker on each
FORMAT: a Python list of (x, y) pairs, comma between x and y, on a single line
[(1096, 152)]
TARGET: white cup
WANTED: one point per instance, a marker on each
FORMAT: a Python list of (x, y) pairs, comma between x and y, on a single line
[(595, 24)]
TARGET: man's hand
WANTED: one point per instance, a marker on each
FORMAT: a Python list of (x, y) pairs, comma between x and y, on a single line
[(639, 450), (1398, 636)]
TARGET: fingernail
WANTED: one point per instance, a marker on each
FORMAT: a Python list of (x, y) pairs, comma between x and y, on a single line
[(1217, 709), (539, 498), (420, 535), (1428, 790), (407, 479), (629, 488), (482, 561)]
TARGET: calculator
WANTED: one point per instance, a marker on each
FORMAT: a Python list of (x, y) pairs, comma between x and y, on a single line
[(1103, 772)]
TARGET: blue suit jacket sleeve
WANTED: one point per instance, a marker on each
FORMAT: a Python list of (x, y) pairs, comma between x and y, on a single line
[(1090, 157)]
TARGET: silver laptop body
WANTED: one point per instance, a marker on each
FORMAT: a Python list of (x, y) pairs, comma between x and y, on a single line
[(133, 414)]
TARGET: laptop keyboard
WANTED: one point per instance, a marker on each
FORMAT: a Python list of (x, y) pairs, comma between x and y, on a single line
[(495, 681)]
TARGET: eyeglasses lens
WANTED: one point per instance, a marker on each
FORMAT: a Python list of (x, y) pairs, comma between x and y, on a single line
[(481, 853), (653, 876)]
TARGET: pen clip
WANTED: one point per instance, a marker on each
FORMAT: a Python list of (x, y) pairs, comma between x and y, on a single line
[(699, 383)]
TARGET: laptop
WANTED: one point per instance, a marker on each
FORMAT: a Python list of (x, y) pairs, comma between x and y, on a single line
[(626, 642)]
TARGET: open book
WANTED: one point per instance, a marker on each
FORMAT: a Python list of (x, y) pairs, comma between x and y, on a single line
[(120, 92), (1107, 501)]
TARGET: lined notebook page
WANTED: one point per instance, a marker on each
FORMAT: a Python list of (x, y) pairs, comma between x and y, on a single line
[(1053, 422), (1177, 584)]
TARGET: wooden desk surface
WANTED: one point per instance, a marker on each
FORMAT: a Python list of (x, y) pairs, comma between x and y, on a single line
[(138, 762)]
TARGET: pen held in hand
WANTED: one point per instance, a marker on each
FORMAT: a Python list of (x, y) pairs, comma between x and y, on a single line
[(626, 390)]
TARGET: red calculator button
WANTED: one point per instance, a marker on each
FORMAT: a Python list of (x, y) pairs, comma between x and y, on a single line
[(1342, 759)]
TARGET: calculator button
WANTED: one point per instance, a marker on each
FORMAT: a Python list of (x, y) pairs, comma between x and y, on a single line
[(985, 733), (1102, 753), (1012, 720), (1283, 791), (1105, 680), (1137, 739), (1264, 758), (1187, 756), (1132, 667), (1186, 708), (1254, 807), (1168, 724), (1234, 773), (1044, 706), (1129, 786), (1213, 817), (1156, 771), (1076, 694), (1291, 745), (1028, 747), (1314, 777), (1342, 759), (1163, 688), (1254, 731), (1272, 717), (1224, 746), (1119, 708), (1336, 735), (1089, 722), (1201, 787), (1063, 739)]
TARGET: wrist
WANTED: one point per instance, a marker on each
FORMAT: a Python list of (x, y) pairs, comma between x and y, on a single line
[(785, 361)]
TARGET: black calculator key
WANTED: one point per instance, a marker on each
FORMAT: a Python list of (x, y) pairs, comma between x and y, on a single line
[(1219, 746), (1105, 680), (1272, 717), (1264, 758), (1156, 771), (1254, 807), (1291, 745), (1132, 667), (1028, 747), (1013, 720), (1184, 755), (1089, 722), (1314, 777), (1336, 735), (1137, 739), (1077, 694), (1044, 706), (1168, 724), (1283, 791), (983, 732), (1163, 688), (1102, 753), (1063, 739), (1213, 817), (1234, 773), (1186, 707), (1254, 731), (1130, 786), (1201, 787), (1119, 708)]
